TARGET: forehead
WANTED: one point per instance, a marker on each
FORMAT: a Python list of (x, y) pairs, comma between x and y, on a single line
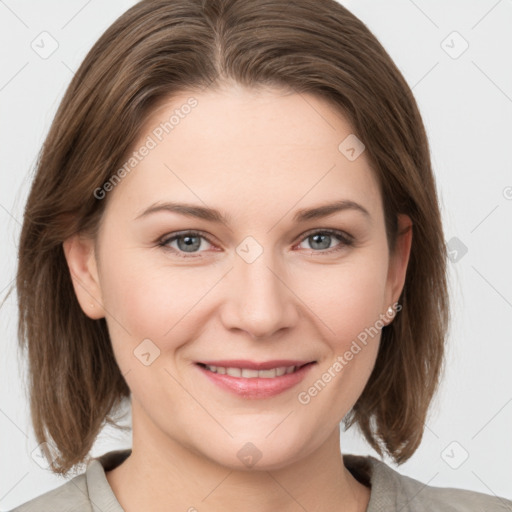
[(262, 147)]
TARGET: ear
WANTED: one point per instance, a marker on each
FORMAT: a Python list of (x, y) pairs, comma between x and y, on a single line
[(398, 261), (80, 256)]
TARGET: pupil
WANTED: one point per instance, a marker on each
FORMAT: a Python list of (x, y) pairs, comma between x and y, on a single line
[(326, 239), (189, 245)]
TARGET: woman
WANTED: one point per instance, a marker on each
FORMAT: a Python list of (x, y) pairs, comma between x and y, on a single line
[(234, 225)]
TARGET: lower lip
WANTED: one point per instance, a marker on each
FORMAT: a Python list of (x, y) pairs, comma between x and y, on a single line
[(257, 387)]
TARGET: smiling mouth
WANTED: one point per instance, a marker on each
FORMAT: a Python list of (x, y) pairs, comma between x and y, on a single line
[(250, 373)]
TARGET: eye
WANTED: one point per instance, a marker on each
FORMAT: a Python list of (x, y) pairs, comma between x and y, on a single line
[(320, 240), (187, 242)]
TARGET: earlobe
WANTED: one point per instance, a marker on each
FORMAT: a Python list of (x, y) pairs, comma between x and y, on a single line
[(399, 259), (80, 256)]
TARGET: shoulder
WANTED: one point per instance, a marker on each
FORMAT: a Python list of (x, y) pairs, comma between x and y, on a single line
[(82, 492), (393, 491), (417, 496), (71, 496)]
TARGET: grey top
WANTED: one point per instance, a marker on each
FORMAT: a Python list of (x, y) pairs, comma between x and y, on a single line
[(390, 491)]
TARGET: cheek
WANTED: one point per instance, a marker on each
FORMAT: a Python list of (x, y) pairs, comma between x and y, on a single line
[(156, 302), (348, 302), (134, 300), (165, 302), (348, 298)]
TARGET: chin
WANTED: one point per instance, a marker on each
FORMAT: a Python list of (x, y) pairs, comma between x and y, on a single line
[(255, 453)]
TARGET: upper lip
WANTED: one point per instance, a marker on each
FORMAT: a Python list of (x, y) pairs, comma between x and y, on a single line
[(254, 365)]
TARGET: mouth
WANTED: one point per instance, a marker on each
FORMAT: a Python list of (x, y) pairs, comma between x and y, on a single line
[(254, 373), (252, 380)]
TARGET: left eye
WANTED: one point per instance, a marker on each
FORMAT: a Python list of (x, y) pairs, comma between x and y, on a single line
[(190, 241), (322, 240)]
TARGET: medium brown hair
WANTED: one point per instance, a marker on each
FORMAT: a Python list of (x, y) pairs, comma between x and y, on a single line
[(159, 48)]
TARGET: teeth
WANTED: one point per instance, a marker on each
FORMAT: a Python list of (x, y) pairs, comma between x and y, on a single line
[(234, 372), (251, 374)]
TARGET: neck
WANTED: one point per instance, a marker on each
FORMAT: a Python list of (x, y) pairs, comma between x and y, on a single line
[(162, 474)]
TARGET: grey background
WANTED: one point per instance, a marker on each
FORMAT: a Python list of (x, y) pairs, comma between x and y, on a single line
[(466, 102)]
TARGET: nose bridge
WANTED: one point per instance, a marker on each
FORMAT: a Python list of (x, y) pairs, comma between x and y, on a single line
[(260, 302)]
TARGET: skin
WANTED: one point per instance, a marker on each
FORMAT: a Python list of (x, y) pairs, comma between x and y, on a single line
[(257, 156)]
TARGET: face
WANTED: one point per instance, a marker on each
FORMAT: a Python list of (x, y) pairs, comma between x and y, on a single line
[(269, 283)]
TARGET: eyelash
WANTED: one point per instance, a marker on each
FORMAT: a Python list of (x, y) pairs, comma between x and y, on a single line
[(345, 239)]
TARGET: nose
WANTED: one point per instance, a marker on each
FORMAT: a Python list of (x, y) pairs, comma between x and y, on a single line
[(260, 301)]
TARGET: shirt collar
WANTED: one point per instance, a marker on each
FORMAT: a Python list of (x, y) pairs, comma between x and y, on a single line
[(366, 469)]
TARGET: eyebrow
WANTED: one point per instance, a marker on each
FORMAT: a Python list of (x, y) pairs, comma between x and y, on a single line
[(212, 215)]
